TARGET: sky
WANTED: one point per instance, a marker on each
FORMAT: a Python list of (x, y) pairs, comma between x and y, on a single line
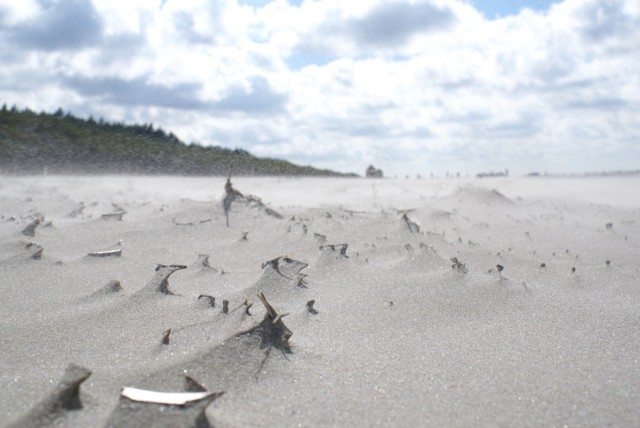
[(410, 86)]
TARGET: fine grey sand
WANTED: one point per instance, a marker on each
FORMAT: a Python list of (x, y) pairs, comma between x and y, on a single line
[(497, 302)]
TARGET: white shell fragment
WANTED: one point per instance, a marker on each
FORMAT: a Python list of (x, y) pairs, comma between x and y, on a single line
[(172, 398), (108, 253)]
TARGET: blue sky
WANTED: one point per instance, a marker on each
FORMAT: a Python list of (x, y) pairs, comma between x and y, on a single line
[(490, 8), (501, 8), (411, 86)]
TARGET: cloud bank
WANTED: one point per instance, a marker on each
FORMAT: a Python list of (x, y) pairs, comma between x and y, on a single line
[(412, 86)]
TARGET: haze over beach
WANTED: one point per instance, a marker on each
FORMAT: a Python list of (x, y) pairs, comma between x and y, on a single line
[(186, 238), (412, 87), (502, 301)]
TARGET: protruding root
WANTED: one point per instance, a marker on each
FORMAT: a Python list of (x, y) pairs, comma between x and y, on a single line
[(271, 313), (289, 265), (110, 288), (458, 265), (411, 225), (69, 387), (203, 260), (114, 216), (274, 332), (203, 263), (191, 385), (35, 250), (341, 249), (65, 397), (210, 301), (300, 280), (30, 230), (310, 307), (231, 195), (165, 337), (159, 284), (113, 286), (78, 211), (320, 238)]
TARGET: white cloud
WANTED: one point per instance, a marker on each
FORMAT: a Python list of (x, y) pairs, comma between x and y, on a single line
[(409, 85)]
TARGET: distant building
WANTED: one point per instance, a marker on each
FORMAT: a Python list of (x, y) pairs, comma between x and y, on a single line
[(373, 172)]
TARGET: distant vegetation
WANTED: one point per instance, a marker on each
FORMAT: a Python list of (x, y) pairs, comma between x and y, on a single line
[(504, 173), (31, 143)]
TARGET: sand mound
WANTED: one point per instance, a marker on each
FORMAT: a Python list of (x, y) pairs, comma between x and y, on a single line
[(477, 195), (405, 307)]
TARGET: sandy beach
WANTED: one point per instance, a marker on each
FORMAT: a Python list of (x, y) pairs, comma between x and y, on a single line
[(391, 302)]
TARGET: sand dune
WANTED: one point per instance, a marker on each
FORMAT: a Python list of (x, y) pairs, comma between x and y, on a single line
[(512, 302)]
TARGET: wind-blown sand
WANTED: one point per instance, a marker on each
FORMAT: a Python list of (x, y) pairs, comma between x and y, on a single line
[(403, 335)]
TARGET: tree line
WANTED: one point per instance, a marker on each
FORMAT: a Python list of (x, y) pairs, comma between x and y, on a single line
[(60, 142)]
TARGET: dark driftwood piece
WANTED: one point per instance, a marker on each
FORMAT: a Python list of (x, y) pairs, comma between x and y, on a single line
[(203, 263), (65, 397), (110, 288), (159, 284), (320, 238), (210, 301), (286, 263), (300, 280), (232, 195), (273, 332), (30, 230), (310, 307), (411, 225), (458, 265), (35, 250), (191, 385), (166, 335), (341, 249), (114, 215)]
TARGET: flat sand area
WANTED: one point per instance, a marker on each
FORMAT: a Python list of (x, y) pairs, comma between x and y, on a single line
[(493, 302)]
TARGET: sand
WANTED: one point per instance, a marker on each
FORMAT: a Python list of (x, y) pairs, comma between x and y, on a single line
[(495, 302)]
